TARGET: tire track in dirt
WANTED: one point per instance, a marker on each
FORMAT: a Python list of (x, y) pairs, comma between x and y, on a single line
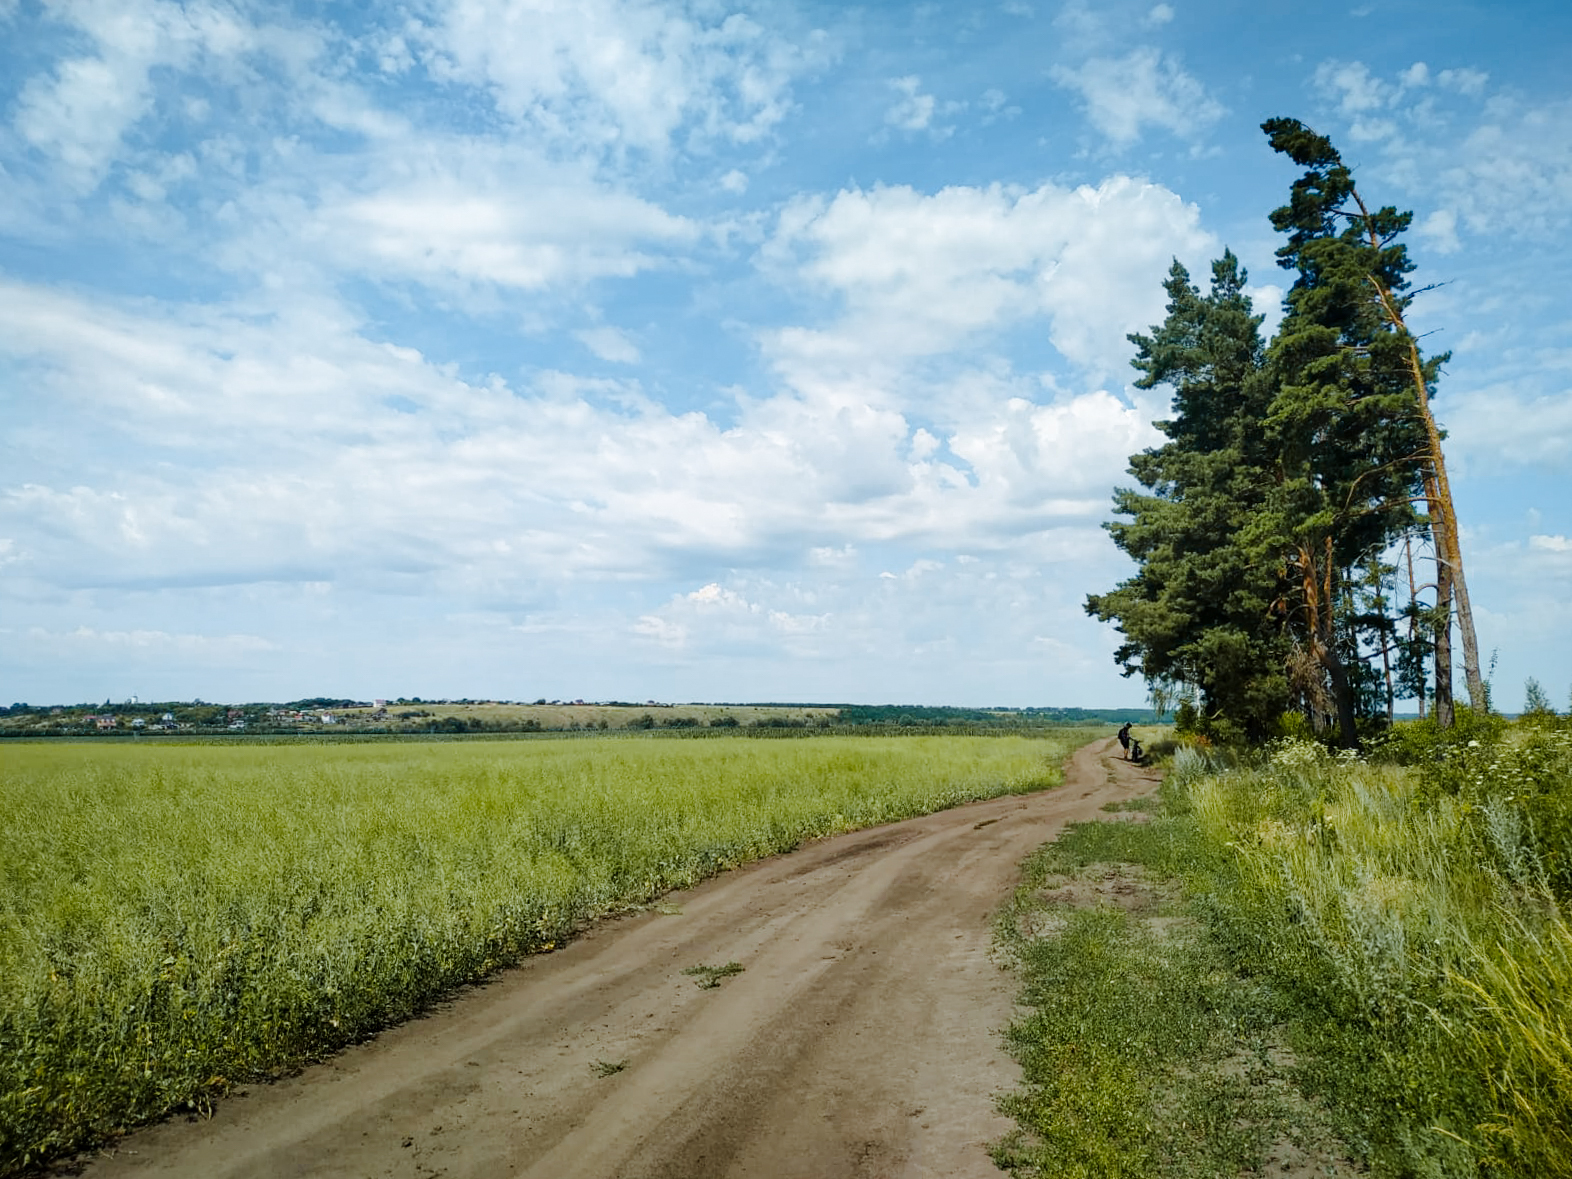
[(861, 1040)]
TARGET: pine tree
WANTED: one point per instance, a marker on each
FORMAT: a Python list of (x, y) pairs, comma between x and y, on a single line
[(1348, 307), (1198, 610)]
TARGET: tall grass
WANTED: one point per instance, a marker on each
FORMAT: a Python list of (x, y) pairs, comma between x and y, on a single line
[(177, 919), (1417, 913)]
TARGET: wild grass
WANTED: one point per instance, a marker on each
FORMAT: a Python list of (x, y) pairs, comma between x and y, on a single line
[(1405, 915), (1417, 915), (176, 919)]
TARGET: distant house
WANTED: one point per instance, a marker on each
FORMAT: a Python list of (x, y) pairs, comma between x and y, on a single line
[(106, 722), (329, 719)]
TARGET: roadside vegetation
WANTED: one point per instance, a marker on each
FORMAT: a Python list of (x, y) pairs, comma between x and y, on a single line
[(176, 919), (1314, 960)]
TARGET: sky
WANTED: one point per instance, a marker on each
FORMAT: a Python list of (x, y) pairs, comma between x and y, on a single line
[(710, 351)]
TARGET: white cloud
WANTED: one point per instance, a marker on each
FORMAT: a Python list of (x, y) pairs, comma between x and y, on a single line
[(913, 111), (1439, 229), (919, 274), (1160, 14), (1495, 425), (1499, 164), (1356, 89), (609, 344), (1124, 95), (293, 450), (473, 214), (1550, 544), (155, 640), (80, 113), (1512, 172), (1468, 82), (1079, 445), (612, 75)]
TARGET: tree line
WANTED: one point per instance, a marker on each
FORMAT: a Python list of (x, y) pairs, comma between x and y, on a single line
[(1282, 530)]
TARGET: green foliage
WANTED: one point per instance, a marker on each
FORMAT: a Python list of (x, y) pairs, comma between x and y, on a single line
[(1536, 701), (175, 919), (1403, 921), (1198, 611)]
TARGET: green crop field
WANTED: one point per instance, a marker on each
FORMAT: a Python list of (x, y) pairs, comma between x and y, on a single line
[(178, 918)]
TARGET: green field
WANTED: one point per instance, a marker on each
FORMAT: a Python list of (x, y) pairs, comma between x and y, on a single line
[(178, 918)]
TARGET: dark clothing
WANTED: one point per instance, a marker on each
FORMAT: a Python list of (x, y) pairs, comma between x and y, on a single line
[(1124, 739)]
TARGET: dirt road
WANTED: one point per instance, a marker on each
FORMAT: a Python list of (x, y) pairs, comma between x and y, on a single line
[(861, 1038)]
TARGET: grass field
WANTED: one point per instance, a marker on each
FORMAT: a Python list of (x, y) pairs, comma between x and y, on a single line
[(175, 919)]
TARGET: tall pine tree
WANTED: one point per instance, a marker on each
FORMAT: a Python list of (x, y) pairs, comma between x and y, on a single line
[(1198, 609)]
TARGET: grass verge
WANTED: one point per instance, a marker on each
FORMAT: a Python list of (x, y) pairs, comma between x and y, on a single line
[(1143, 1052), (1387, 937)]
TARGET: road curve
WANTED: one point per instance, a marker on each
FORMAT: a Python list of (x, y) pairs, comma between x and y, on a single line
[(860, 1040)]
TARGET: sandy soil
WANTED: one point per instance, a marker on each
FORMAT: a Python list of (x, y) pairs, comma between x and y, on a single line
[(861, 1038)]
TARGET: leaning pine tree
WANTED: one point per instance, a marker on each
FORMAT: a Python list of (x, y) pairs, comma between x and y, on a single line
[(1348, 304)]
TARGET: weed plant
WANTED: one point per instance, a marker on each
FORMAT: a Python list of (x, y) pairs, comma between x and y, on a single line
[(176, 919)]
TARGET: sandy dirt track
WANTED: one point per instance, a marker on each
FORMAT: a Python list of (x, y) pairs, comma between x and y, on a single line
[(862, 1038)]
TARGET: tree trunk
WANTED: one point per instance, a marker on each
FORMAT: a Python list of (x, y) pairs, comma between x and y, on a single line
[(1413, 617), (1386, 671), (1443, 644), (1318, 590), (1438, 496)]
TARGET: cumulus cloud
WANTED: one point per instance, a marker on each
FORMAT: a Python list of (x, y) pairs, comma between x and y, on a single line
[(297, 451), (1124, 95), (919, 273)]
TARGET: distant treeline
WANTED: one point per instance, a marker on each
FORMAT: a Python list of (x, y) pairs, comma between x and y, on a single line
[(310, 715), (929, 714)]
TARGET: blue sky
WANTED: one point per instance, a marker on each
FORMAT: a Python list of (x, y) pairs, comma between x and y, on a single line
[(708, 351)]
